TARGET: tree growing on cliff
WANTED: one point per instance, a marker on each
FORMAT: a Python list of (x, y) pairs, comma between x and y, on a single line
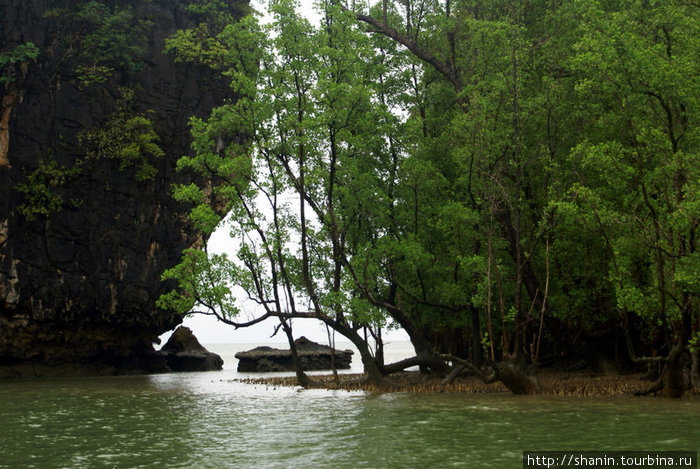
[(104, 39)]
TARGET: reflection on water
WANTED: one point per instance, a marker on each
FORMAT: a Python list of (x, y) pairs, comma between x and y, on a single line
[(206, 420)]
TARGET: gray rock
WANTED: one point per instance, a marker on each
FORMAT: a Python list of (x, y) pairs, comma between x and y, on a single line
[(183, 352), (313, 356)]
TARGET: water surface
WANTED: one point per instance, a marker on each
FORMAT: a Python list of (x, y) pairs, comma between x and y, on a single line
[(207, 420)]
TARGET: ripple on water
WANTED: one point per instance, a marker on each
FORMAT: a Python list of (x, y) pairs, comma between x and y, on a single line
[(205, 420)]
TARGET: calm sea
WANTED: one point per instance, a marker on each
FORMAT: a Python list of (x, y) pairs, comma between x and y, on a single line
[(206, 420)]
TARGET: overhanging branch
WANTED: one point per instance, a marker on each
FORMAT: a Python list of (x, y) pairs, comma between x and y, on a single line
[(383, 28), (270, 314)]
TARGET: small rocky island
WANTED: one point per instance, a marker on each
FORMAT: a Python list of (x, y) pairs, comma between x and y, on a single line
[(183, 352), (313, 356)]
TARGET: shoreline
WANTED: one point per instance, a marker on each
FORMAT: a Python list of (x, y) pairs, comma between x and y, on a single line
[(552, 383)]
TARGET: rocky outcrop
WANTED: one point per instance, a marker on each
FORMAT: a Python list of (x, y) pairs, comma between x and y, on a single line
[(86, 229), (183, 352), (312, 356)]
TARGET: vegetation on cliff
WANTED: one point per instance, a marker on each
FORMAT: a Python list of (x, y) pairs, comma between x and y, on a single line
[(513, 184), (93, 116)]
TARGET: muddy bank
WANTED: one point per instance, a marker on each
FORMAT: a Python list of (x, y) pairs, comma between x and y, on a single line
[(578, 384)]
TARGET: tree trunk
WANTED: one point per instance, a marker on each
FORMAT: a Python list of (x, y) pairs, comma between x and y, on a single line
[(456, 371), (477, 354), (421, 345), (674, 384), (371, 368), (429, 360), (529, 279), (302, 379), (673, 381), (370, 364), (379, 347), (512, 375), (695, 370), (331, 344)]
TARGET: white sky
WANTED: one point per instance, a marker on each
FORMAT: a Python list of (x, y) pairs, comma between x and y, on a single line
[(210, 331)]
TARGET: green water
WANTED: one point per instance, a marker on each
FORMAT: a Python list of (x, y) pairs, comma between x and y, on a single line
[(205, 420)]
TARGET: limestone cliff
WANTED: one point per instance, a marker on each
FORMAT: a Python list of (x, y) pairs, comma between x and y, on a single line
[(93, 116)]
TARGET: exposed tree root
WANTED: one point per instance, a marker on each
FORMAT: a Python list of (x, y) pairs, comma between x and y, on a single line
[(509, 373), (653, 389), (515, 379), (574, 384), (454, 374)]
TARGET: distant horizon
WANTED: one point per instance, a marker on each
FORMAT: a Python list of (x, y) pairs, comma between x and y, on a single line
[(210, 331)]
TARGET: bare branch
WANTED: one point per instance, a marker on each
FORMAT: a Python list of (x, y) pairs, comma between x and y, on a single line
[(252, 322)]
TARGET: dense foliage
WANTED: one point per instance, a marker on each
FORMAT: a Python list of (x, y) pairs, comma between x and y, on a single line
[(504, 180), (18, 55), (101, 39)]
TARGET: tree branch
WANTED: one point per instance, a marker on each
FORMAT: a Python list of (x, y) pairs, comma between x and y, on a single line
[(382, 28), (487, 379), (252, 322)]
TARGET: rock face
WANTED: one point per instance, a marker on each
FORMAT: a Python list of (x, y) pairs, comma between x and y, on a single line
[(183, 352), (313, 356), (85, 234)]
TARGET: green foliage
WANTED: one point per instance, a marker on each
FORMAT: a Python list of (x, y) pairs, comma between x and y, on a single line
[(126, 138), (20, 54), (102, 39), (90, 74), (485, 342), (219, 41), (218, 13), (694, 343), (202, 280), (634, 71), (42, 196), (194, 45), (514, 160)]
